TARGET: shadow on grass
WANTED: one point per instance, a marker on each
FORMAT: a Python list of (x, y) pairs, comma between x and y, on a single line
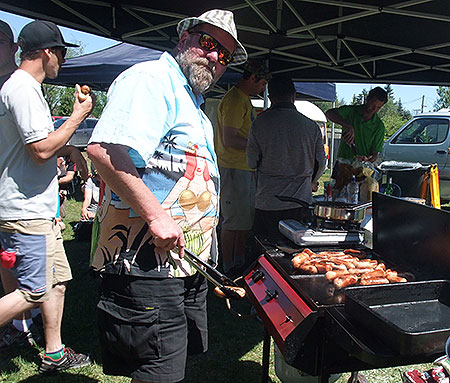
[(79, 324), (61, 377), (230, 338), (27, 354)]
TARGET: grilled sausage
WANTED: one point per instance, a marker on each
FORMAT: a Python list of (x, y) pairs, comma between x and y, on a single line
[(359, 271), (377, 273), (299, 259), (348, 264), (309, 251), (381, 266), (374, 281), (230, 292), (84, 93), (333, 274), (356, 253), (366, 264), (396, 279), (346, 280), (309, 269)]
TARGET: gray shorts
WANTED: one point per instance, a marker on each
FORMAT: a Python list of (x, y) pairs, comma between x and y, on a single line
[(237, 198), (41, 260)]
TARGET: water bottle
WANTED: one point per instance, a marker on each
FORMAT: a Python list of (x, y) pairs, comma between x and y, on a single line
[(389, 190), (353, 191)]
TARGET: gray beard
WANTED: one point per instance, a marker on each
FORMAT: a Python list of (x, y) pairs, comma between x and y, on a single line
[(196, 70)]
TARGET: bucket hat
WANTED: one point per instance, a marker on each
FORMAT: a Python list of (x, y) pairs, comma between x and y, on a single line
[(221, 19), (40, 35)]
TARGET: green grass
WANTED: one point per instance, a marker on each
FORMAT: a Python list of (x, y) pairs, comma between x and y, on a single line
[(235, 345)]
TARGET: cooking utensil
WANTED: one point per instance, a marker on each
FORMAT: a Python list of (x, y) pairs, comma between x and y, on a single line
[(211, 274), (339, 211)]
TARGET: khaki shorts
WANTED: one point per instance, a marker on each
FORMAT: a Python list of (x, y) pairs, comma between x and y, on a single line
[(41, 261), (237, 198)]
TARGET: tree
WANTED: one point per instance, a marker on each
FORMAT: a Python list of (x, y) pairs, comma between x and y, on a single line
[(389, 91), (360, 98), (443, 100)]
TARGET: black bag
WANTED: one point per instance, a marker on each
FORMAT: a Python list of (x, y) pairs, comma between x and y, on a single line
[(83, 230)]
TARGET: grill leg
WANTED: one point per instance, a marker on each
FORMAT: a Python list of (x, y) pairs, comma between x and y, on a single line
[(266, 357)]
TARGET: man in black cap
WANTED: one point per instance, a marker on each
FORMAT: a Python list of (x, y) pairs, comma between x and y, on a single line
[(22, 330), (30, 238)]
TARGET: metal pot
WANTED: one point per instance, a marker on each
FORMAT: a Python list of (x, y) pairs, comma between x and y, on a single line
[(338, 211)]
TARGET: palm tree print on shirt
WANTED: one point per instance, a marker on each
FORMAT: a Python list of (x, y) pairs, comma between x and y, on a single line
[(169, 144)]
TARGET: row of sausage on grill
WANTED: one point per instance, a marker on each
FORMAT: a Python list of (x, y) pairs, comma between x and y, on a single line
[(347, 267)]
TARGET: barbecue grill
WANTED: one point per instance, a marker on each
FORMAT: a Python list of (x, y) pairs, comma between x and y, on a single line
[(321, 330)]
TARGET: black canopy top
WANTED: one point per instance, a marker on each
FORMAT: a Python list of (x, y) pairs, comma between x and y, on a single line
[(369, 41)]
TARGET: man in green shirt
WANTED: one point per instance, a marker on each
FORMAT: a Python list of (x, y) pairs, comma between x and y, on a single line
[(363, 131)]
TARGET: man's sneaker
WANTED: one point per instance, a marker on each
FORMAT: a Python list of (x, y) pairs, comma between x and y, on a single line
[(70, 359), (12, 336)]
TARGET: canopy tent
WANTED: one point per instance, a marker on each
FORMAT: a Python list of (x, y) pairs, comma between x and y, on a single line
[(306, 108), (100, 68), (369, 41)]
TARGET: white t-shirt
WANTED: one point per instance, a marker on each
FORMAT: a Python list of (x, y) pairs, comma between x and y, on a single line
[(28, 190)]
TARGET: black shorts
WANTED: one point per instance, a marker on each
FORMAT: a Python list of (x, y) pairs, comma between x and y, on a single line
[(148, 326)]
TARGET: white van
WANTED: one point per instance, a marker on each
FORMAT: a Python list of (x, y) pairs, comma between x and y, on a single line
[(424, 139)]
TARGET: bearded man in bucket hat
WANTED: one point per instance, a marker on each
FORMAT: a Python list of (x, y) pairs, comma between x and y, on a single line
[(30, 238), (153, 147)]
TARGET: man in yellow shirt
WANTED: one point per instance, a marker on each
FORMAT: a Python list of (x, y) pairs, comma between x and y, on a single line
[(237, 181)]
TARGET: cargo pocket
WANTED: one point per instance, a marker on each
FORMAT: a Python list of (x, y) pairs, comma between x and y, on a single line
[(129, 332)]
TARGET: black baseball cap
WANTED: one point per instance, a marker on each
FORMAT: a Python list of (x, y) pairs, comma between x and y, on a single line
[(41, 34)]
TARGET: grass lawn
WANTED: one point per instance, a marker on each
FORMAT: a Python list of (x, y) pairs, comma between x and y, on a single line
[(235, 345)]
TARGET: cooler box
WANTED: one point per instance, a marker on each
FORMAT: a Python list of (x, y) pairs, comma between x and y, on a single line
[(406, 177)]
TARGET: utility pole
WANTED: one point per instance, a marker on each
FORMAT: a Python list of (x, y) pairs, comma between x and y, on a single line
[(423, 102)]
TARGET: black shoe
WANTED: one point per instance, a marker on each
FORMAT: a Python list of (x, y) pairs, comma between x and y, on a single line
[(13, 337), (70, 359)]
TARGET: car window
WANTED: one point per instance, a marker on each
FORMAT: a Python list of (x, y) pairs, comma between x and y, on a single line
[(90, 124), (59, 122), (424, 131)]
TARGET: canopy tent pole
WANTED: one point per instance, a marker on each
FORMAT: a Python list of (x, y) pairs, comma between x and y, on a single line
[(332, 144)]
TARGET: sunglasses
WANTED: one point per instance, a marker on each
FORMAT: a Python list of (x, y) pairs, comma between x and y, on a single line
[(62, 49), (209, 43)]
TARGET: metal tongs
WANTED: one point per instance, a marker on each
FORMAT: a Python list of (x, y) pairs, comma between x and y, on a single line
[(211, 274)]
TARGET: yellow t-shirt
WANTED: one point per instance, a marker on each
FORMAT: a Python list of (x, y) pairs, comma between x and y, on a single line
[(235, 110)]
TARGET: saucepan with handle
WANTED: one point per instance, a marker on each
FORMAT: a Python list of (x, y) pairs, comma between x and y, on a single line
[(338, 211)]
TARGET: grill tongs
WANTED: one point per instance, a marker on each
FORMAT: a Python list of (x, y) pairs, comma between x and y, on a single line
[(221, 281)]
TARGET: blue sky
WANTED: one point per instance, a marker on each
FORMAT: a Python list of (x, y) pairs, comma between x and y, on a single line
[(411, 96)]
